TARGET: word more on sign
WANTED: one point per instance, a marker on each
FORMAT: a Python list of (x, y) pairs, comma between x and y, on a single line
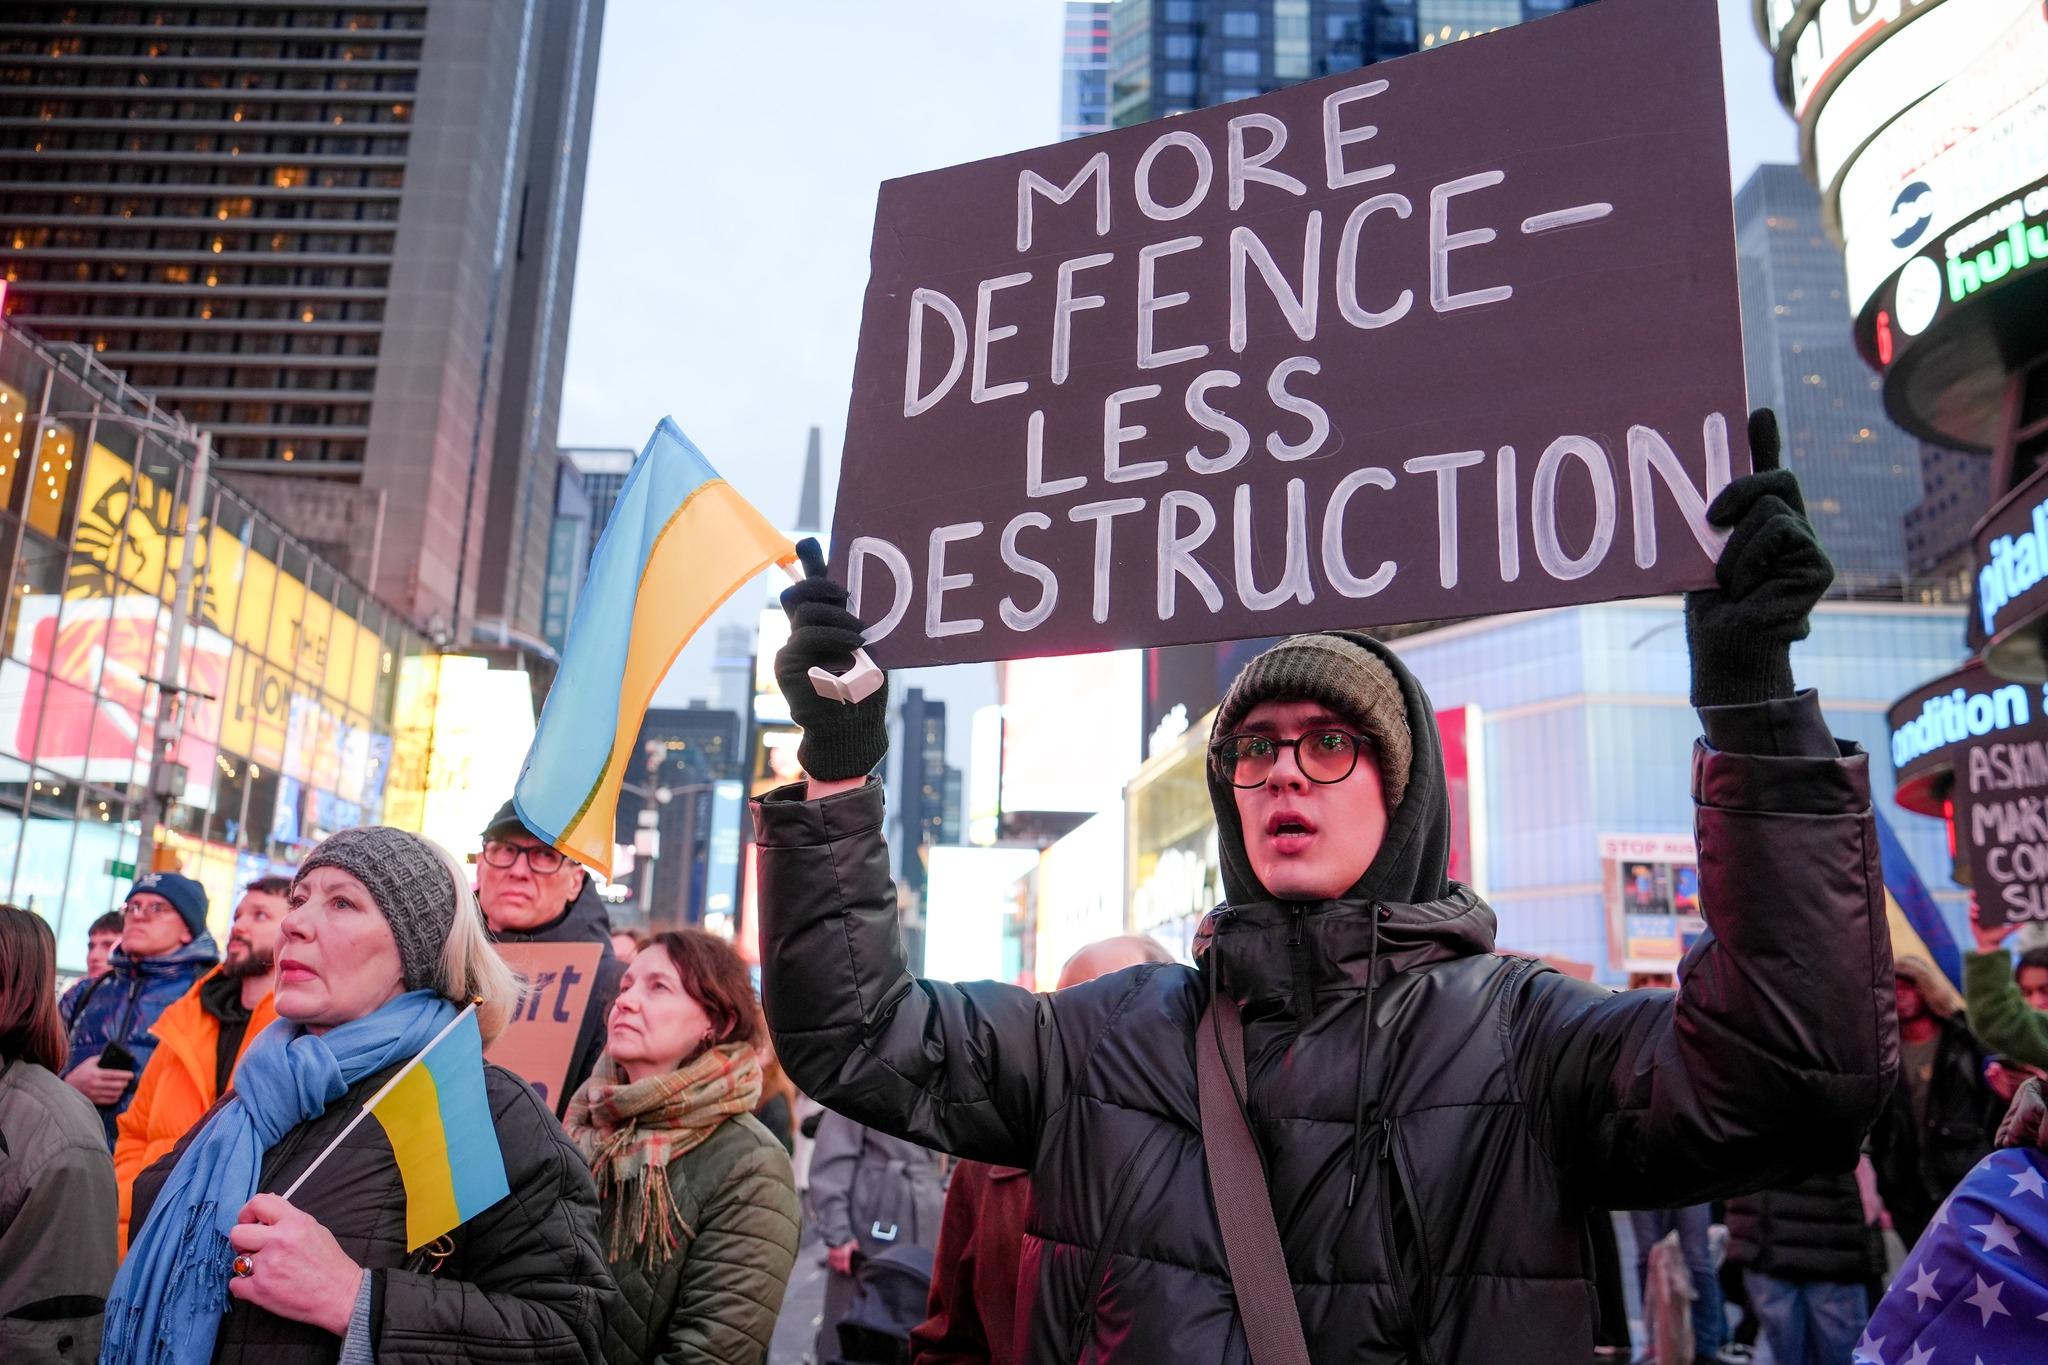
[(1450, 335)]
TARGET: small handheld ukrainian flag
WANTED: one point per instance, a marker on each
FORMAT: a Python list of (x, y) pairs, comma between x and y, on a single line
[(679, 542), (437, 1117)]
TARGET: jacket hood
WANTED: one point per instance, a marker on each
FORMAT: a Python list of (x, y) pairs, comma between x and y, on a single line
[(200, 952), (584, 921), (1297, 956), (1414, 859)]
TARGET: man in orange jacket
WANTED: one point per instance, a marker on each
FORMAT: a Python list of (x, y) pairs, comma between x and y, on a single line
[(200, 1038)]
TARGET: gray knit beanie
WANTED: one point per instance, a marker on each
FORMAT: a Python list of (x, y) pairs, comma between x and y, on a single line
[(1344, 676), (410, 885)]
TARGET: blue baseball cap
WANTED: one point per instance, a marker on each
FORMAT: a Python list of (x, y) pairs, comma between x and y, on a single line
[(186, 896)]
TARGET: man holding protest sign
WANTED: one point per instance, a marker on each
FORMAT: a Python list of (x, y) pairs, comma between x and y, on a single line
[(533, 898), (1352, 1096)]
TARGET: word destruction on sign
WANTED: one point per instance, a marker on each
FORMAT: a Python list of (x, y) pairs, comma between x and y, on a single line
[(1450, 335)]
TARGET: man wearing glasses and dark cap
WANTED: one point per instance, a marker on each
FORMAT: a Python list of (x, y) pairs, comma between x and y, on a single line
[(1353, 1131), (531, 893)]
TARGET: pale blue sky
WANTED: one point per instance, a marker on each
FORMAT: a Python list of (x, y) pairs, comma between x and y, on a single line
[(734, 159)]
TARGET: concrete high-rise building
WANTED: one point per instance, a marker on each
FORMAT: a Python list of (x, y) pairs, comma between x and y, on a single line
[(732, 669), (604, 470), (1859, 472), (341, 237), (684, 755), (1084, 69), (921, 785), (1170, 56), (1940, 550), (569, 546), (810, 499)]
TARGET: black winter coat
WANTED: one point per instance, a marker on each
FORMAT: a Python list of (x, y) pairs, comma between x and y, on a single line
[(1918, 1164), (526, 1281), (583, 922), (1504, 1099), (1811, 1231)]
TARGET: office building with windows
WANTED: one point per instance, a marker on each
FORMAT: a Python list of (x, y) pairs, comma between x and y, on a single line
[(603, 471), (341, 237), (312, 706), (1170, 56), (1860, 473), (685, 788), (1084, 69)]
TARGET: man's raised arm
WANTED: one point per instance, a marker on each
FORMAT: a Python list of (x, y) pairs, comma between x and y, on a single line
[(965, 1068)]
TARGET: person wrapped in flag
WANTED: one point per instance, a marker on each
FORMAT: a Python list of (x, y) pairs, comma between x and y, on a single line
[(371, 1189), (1975, 1288)]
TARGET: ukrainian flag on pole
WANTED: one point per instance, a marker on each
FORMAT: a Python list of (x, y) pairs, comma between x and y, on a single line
[(679, 543), (437, 1117)]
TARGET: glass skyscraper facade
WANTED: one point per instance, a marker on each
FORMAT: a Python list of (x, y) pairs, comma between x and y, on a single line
[(1084, 69), (1860, 473), (1170, 56), (1588, 731)]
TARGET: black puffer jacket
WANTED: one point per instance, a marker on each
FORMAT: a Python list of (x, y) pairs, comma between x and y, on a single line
[(583, 922), (526, 1281), (1810, 1231), (1918, 1163), (1504, 1098)]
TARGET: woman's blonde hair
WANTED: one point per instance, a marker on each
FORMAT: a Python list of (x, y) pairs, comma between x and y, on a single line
[(471, 968)]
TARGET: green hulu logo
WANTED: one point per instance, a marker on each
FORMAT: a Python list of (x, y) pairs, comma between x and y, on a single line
[(2023, 245)]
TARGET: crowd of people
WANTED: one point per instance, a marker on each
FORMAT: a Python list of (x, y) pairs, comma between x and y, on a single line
[(1351, 1129)]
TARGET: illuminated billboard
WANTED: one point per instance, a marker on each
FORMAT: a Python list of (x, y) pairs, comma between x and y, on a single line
[(1071, 730), (1924, 123)]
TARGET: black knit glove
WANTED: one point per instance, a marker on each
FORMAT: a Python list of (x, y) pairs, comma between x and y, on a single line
[(1771, 573), (841, 740)]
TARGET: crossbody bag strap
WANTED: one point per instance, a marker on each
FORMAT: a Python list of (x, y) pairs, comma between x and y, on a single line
[(1237, 1182)]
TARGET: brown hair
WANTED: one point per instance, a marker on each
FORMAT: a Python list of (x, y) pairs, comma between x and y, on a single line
[(717, 980), (30, 1028), (109, 923), (270, 886)]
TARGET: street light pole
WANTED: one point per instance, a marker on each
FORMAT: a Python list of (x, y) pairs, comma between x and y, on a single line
[(166, 774)]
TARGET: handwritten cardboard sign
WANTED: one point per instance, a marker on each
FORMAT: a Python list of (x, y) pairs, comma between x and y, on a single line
[(2001, 814), (1448, 335), (540, 1042)]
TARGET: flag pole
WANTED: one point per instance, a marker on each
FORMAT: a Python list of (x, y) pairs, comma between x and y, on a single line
[(372, 1102)]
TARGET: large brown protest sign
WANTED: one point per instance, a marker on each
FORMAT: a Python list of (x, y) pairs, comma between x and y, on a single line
[(540, 1042), (1447, 335), (2001, 815)]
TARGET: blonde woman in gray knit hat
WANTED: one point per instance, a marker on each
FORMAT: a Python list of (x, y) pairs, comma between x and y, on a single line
[(382, 945), (1354, 1131)]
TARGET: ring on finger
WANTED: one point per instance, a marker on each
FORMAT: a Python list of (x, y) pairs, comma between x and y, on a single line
[(244, 1265)]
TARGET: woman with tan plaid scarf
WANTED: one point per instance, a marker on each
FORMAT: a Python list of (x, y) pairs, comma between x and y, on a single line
[(700, 1210)]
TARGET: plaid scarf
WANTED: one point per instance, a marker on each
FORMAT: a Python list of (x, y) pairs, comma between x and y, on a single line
[(629, 1131)]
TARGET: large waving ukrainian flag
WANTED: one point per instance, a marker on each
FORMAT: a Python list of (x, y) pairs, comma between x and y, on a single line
[(679, 543), (437, 1117)]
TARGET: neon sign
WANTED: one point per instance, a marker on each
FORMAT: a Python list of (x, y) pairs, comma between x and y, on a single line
[(2025, 244), (1952, 717)]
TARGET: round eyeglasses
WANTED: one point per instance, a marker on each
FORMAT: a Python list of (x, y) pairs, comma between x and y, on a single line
[(1324, 756), (540, 859)]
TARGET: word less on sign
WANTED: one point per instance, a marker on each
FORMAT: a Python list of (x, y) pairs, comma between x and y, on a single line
[(1454, 334)]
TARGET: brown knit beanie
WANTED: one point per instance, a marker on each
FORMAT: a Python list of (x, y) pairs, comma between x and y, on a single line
[(1344, 676)]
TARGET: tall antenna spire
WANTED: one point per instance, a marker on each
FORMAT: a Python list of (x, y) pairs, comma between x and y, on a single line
[(807, 513)]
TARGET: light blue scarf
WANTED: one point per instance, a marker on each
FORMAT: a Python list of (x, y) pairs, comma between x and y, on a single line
[(168, 1299)]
